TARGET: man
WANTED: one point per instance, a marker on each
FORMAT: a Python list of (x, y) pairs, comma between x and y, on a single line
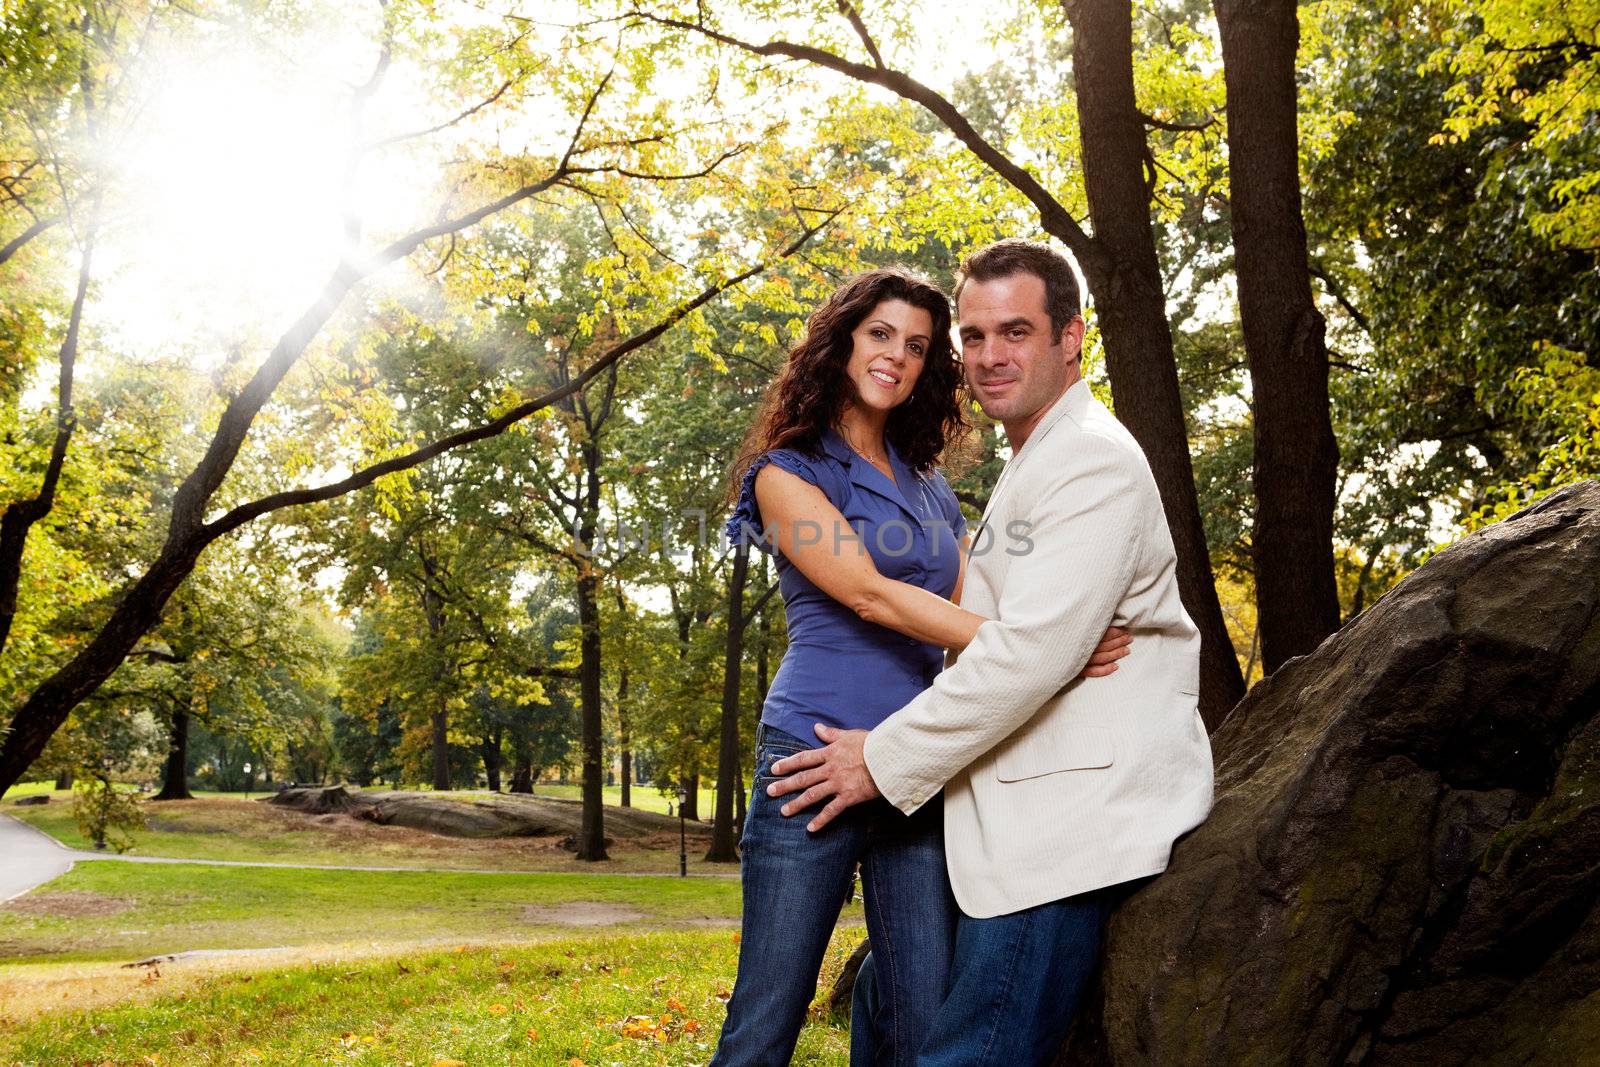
[(1056, 790)]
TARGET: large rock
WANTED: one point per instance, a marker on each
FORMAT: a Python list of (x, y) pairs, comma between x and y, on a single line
[(1403, 864), (510, 815)]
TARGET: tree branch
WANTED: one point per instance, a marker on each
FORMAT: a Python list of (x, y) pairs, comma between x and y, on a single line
[(1052, 214), (848, 11), (197, 489), (20, 516), (731, 153), (750, 613), (1177, 127), (246, 512), (15, 244), (462, 117), (1335, 291)]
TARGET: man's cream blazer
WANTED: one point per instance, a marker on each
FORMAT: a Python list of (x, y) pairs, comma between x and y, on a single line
[(1055, 786)]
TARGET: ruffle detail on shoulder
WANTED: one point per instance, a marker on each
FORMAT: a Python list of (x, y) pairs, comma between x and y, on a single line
[(744, 525)]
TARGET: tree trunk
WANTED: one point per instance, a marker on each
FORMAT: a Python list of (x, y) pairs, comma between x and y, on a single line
[(592, 835), (763, 646), (1296, 456), (522, 779), (64, 780), (439, 721), (591, 845), (763, 683), (440, 725), (625, 737), (492, 760), (844, 986), (1358, 601), (739, 807), (722, 840), (175, 782), (1124, 274)]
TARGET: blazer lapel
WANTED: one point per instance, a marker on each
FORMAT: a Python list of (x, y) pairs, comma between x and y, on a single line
[(1072, 402)]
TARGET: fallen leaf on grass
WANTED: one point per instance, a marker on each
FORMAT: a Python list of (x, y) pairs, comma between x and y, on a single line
[(497, 1009), (449, 1063)]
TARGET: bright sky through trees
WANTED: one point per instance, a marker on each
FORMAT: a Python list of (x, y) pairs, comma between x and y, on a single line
[(232, 168)]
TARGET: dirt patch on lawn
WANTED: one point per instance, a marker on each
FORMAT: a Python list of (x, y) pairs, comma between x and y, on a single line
[(74, 904), (579, 913)]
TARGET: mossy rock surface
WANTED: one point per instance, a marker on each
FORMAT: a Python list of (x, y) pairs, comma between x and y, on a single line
[(1403, 863)]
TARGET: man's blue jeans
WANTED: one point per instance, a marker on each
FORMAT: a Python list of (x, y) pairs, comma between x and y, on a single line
[(795, 882), (1015, 985)]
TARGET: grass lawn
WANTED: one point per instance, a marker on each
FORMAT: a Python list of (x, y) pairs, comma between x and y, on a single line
[(31, 789), (644, 999), (643, 797), (228, 827), (126, 911)]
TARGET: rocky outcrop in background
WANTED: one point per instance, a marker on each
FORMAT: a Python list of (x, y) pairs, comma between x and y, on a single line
[(1403, 863), (477, 816)]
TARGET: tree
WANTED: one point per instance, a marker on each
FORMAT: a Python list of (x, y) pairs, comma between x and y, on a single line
[(1445, 300), (189, 529), (1296, 457)]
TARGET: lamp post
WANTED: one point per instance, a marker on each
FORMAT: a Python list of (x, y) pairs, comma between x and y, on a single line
[(683, 845), (247, 781)]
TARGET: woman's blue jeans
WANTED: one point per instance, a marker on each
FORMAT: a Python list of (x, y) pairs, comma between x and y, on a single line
[(795, 882)]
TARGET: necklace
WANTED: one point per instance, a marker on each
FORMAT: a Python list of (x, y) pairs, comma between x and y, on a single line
[(882, 464)]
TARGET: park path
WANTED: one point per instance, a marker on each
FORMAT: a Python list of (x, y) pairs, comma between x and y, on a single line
[(29, 858)]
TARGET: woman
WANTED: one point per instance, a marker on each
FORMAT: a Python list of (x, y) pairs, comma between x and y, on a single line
[(838, 476)]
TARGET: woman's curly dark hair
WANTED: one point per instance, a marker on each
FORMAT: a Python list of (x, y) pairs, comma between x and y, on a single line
[(811, 392)]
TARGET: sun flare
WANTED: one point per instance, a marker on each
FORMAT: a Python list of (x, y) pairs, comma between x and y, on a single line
[(236, 183)]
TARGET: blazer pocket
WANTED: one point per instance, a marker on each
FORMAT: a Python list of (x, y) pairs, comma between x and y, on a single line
[(1076, 748)]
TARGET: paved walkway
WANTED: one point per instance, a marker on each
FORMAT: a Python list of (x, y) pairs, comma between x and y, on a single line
[(29, 858)]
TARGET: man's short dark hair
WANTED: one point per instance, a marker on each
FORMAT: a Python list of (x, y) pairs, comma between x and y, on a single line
[(1016, 256)]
